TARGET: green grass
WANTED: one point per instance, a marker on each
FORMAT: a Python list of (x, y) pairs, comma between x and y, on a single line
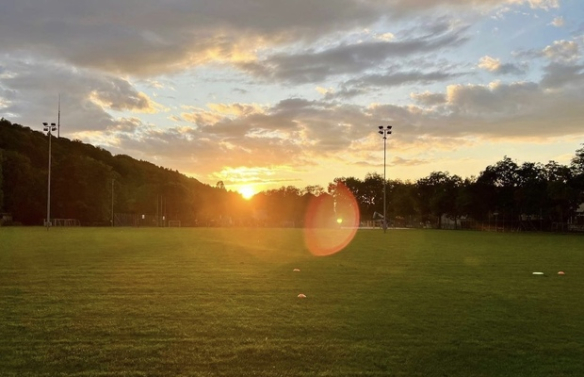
[(206, 302)]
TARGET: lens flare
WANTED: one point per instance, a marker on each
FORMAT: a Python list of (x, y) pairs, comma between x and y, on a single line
[(331, 223)]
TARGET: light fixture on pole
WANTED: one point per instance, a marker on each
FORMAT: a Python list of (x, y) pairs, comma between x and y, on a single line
[(112, 220), (49, 128), (384, 131)]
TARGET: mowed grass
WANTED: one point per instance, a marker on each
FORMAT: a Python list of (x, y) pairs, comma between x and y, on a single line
[(206, 302)]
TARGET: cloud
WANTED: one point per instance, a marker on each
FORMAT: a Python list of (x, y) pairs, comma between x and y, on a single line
[(153, 37), (298, 132), (127, 125), (364, 84), (562, 51), (252, 175), (408, 5), (520, 110), (557, 75), (428, 99), (117, 98), (494, 65), (558, 22), (399, 161), (110, 60), (395, 161), (401, 78), (489, 64), (316, 66), (86, 96), (495, 99), (542, 4), (235, 109)]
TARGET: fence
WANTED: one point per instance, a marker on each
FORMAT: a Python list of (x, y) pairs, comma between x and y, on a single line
[(130, 219), (62, 222)]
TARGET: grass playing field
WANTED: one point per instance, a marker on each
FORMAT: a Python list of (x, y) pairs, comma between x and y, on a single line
[(206, 302)]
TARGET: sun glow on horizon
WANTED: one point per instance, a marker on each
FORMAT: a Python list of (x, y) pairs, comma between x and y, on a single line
[(247, 191)]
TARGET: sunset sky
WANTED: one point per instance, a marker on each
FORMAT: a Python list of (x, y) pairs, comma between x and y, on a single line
[(291, 92)]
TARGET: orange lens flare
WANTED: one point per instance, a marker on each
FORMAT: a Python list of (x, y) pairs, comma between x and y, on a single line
[(331, 223)]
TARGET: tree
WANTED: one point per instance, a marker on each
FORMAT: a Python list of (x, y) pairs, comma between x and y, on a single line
[(315, 190), (1, 188), (24, 189), (530, 195), (498, 184), (578, 162), (577, 167), (81, 180), (371, 198), (346, 207), (402, 201), (437, 195), (81, 189), (561, 191)]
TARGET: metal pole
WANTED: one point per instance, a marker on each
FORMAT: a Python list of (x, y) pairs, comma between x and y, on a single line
[(59, 118), (384, 131), (113, 180), (50, 128), (49, 186), (384, 186)]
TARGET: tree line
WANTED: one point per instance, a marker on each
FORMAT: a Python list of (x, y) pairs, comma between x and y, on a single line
[(85, 178)]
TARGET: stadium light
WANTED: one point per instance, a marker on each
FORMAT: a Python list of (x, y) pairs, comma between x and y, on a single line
[(49, 128), (112, 219), (385, 132)]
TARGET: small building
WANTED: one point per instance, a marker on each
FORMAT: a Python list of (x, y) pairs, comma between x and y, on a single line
[(577, 222)]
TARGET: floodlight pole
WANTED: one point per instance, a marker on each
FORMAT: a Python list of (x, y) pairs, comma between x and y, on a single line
[(384, 131), (49, 128), (113, 180), (59, 118)]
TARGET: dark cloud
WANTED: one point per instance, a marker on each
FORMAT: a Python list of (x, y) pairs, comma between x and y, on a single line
[(33, 90), (147, 36), (344, 93), (152, 37), (429, 99), (524, 110), (364, 85), (510, 69), (561, 52), (92, 53), (557, 75), (494, 100), (317, 66)]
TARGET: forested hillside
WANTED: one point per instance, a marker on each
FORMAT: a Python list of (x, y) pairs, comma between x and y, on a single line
[(81, 183), (527, 196)]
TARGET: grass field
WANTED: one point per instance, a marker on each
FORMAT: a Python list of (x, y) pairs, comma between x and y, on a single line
[(206, 302)]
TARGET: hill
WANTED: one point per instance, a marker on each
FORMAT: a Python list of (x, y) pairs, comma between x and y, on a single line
[(84, 177), (89, 184)]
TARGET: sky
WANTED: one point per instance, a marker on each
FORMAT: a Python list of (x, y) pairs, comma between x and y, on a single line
[(270, 93)]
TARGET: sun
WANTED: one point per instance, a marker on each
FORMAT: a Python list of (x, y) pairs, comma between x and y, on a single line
[(247, 192)]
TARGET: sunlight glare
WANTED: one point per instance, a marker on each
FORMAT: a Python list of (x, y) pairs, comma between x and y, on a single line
[(247, 192), (326, 234)]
